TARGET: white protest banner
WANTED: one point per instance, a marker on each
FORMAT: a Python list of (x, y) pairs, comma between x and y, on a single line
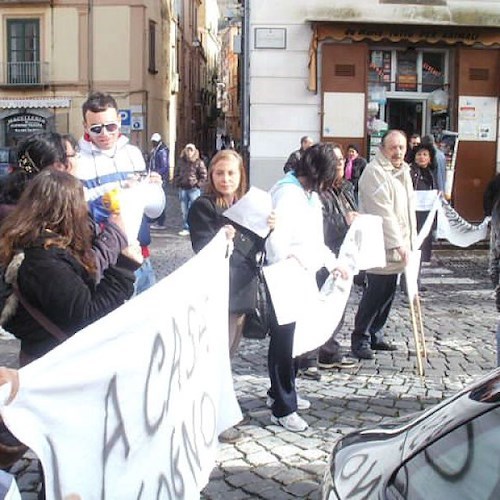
[(132, 204), (131, 406), (362, 246), (411, 274), (457, 230), (429, 221), (424, 200), (252, 211), (291, 288)]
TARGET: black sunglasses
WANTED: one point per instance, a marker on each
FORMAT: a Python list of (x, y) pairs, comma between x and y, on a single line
[(97, 129)]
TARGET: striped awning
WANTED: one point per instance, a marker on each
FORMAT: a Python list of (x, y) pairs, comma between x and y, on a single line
[(36, 103)]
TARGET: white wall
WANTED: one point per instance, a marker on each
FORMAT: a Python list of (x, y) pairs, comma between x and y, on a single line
[(281, 108)]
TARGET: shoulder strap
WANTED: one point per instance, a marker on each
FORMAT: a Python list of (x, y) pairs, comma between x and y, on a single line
[(54, 330)]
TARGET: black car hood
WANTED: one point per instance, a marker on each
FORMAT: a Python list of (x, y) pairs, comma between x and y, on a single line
[(362, 462)]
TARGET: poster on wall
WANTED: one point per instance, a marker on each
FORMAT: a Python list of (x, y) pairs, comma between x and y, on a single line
[(477, 118), (343, 114)]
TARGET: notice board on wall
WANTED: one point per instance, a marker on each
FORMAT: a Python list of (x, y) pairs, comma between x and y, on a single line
[(343, 114)]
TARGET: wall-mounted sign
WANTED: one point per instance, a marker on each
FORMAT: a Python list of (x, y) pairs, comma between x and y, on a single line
[(24, 123), (270, 38), (477, 118), (126, 117)]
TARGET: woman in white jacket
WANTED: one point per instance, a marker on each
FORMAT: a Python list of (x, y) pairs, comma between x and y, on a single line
[(299, 235)]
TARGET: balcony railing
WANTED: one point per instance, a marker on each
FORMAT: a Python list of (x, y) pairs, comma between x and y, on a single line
[(24, 74)]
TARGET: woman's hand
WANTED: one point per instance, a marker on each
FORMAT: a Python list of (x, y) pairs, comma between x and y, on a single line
[(340, 272), (230, 232), (134, 252), (350, 216), (9, 375), (117, 220), (271, 220)]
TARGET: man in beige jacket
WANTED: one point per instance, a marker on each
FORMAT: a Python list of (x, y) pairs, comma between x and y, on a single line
[(385, 189)]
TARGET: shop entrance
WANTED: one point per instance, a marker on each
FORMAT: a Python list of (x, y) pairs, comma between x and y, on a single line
[(405, 115)]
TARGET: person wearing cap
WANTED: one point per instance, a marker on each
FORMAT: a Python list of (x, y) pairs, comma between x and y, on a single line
[(159, 163), (189, 176)]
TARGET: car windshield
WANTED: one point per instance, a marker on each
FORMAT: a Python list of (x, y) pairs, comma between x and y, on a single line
[(463, 464)]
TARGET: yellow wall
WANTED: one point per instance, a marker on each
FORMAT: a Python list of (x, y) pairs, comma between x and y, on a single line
[(65, 48), (112, 43)]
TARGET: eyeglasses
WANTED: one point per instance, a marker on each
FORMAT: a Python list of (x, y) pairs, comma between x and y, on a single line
[(110, 127)]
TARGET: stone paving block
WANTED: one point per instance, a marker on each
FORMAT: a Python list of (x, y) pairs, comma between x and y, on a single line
[(260, 458), (249, 447), (290, 437), (268, 470), (271, 442), (314, 454), (277, 494), (303, 489), (217, 489), (242, 479), (262, 487), (316, 469), (227, 452), (308, 443), (233, 466), (284, 451), (290, 476)]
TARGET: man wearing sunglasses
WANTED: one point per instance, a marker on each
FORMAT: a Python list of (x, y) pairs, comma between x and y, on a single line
[(108, 161)]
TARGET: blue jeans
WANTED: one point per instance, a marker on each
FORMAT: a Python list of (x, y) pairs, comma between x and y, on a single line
[(161, 219), (144, 277), (186, 197)]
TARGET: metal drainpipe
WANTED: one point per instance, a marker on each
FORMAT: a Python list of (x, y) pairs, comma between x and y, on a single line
[(245, 87), (90, 46)]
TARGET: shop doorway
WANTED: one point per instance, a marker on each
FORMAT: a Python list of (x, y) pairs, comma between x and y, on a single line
[(405, 115)]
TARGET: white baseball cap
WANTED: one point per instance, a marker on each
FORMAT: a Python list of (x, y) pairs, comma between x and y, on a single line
[(156, 137)]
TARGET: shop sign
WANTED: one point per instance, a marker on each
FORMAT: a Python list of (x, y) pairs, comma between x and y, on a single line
[(25, 123)]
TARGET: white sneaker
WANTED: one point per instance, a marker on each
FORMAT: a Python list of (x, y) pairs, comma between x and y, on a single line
[(184, 232), (302, 404), (292, 422)]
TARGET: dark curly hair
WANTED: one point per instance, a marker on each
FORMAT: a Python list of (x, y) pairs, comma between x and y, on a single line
[(317, 165), (34, 154)]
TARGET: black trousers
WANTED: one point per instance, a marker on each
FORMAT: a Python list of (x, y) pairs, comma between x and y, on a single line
[(282, 369), (373, 310)]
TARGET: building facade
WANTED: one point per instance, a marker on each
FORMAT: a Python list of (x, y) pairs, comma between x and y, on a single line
[(158, 58), (55, 52), (343, 72)]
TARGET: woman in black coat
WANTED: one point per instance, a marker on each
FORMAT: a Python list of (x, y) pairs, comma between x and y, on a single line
[(424, 179), (46, 251), (226, 185)]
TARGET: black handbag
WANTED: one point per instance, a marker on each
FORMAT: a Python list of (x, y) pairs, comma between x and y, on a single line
[(257, 321)]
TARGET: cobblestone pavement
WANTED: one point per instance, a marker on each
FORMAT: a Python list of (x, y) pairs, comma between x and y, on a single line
[(272, 463)]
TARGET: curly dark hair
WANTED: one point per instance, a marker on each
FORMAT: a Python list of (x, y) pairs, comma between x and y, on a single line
[(317, 165), (97, 102), (34, 154)]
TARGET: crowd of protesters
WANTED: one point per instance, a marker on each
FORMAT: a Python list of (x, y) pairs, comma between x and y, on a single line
[(67, 259)]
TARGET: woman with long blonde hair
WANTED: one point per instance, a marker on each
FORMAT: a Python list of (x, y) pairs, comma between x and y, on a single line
[(226, 185)]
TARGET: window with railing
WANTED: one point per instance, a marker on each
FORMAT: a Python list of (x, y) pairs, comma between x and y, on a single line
[(23, 52)]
